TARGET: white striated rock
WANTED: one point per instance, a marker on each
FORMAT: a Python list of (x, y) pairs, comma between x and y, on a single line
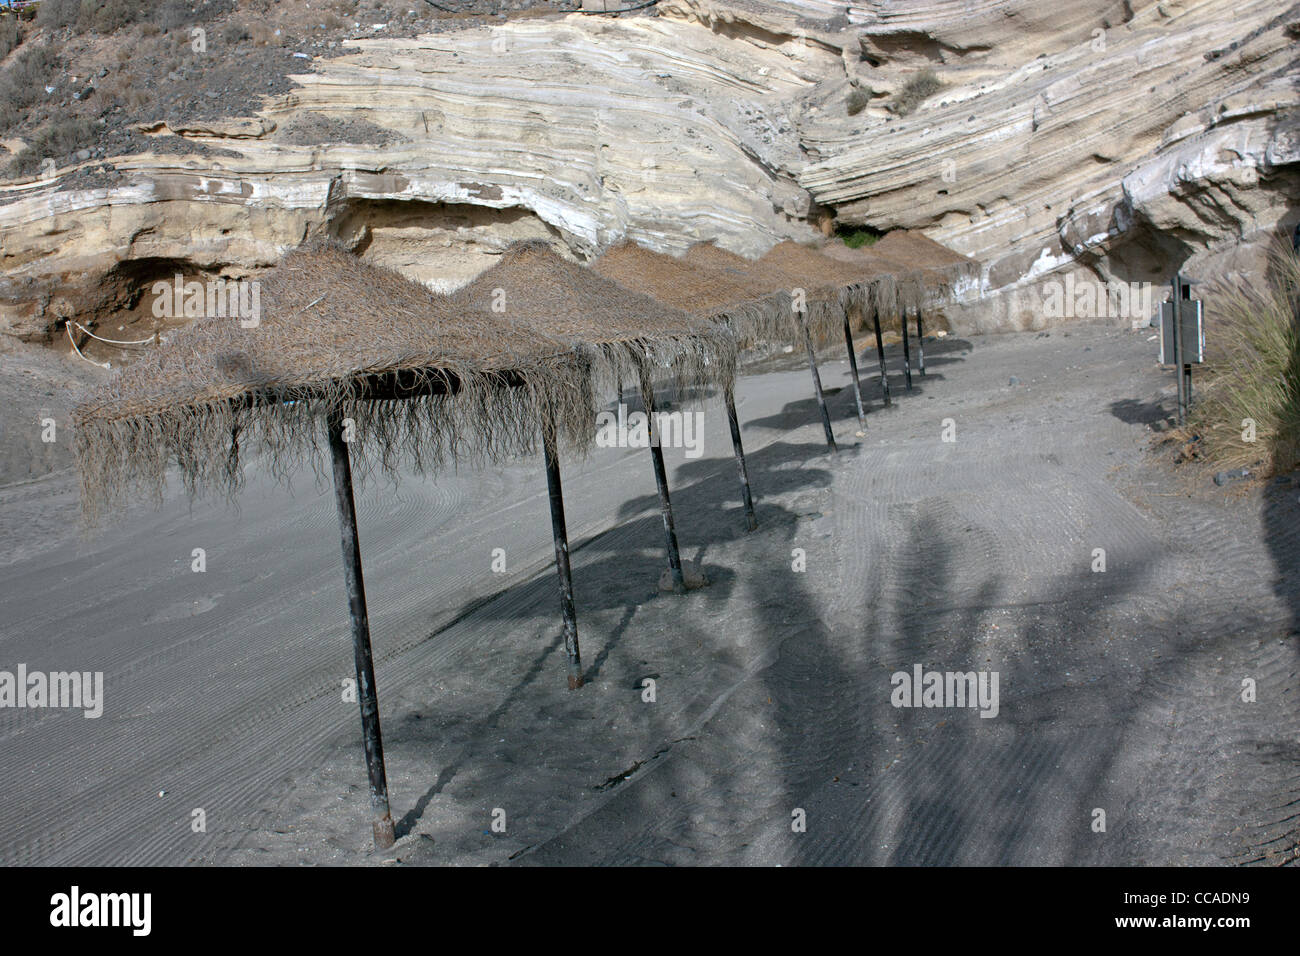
[(581, 129), (1112, 138), (1164, 141)]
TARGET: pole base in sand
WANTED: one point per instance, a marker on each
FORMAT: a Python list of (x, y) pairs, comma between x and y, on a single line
[(384, 835), (693, 577)]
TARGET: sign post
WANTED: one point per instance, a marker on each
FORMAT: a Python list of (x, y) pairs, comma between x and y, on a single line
[(1182, 338)]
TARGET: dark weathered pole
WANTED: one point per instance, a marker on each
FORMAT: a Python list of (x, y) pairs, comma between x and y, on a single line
[(561, 536), (367, 697), (661, 480), (907, 352), (920, 344), (880, 352), (853, 367), (1187, 366), (750, 521), (817, 385), (1178, 346)]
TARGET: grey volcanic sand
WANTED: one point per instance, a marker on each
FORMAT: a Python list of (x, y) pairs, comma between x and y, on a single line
[(1118, 690)]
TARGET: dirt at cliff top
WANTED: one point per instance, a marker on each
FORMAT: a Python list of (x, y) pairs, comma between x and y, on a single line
[(97, 88)]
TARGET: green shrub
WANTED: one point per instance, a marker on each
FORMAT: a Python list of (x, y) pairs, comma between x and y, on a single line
[(858, 100), (1254, 371), (916, 91), (855, 237)]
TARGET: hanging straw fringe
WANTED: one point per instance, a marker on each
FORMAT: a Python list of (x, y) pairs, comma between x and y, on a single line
[(217, 394)]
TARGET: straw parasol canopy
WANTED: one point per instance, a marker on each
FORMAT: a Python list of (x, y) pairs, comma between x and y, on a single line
[(830, 287), (902, 245), (926, 272), (754, 317), (418, 375), (623, 333), (710, 255), (835, 289)]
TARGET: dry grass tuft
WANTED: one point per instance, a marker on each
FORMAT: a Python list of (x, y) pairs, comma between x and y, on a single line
[(916, 91), (1253, 363)]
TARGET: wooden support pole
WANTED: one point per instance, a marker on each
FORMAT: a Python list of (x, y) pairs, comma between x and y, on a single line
[(853, 367), (661, 480), (367, 697), (817, 386), (561, 536), (920, 345), (907, 352), (880, 352), (751, 522)]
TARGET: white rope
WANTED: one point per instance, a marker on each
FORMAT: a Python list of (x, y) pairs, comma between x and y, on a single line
[(68, 327), (110, 341)]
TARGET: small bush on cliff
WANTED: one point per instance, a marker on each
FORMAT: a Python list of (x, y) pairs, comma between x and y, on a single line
[(858, 100), (57, 141), (23, 83), (1254, 366), (855, 237), (8, 34), (57, 14), (108, 16), (916, 91)]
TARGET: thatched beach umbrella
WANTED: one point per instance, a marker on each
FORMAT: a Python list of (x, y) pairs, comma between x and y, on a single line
[(892, 284), (926, 272), (624, 334), (827, 293), (395, 371), (839, 291), (709, 294)]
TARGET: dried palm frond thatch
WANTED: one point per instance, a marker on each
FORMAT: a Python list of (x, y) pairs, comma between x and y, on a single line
[(712, 256), (625, 335), (924, 273), (830, 288), (756, 318), (833, 290), (921, 252), (418, 375)]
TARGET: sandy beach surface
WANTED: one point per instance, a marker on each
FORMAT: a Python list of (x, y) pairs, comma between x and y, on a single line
[(1119, 691)]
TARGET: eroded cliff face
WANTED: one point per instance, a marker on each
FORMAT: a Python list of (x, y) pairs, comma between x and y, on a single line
[(1121, 139), (1138, 139)]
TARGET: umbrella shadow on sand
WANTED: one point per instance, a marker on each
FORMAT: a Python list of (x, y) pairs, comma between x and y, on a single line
[(824, 701), (618, 571)]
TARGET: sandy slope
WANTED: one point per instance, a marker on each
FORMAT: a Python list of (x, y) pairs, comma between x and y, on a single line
[(1118, 690)]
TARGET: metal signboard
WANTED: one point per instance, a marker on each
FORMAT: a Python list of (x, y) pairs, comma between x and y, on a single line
[(1193, 332)]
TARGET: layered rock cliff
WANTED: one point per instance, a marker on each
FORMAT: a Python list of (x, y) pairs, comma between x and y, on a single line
[(1118, 138)]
